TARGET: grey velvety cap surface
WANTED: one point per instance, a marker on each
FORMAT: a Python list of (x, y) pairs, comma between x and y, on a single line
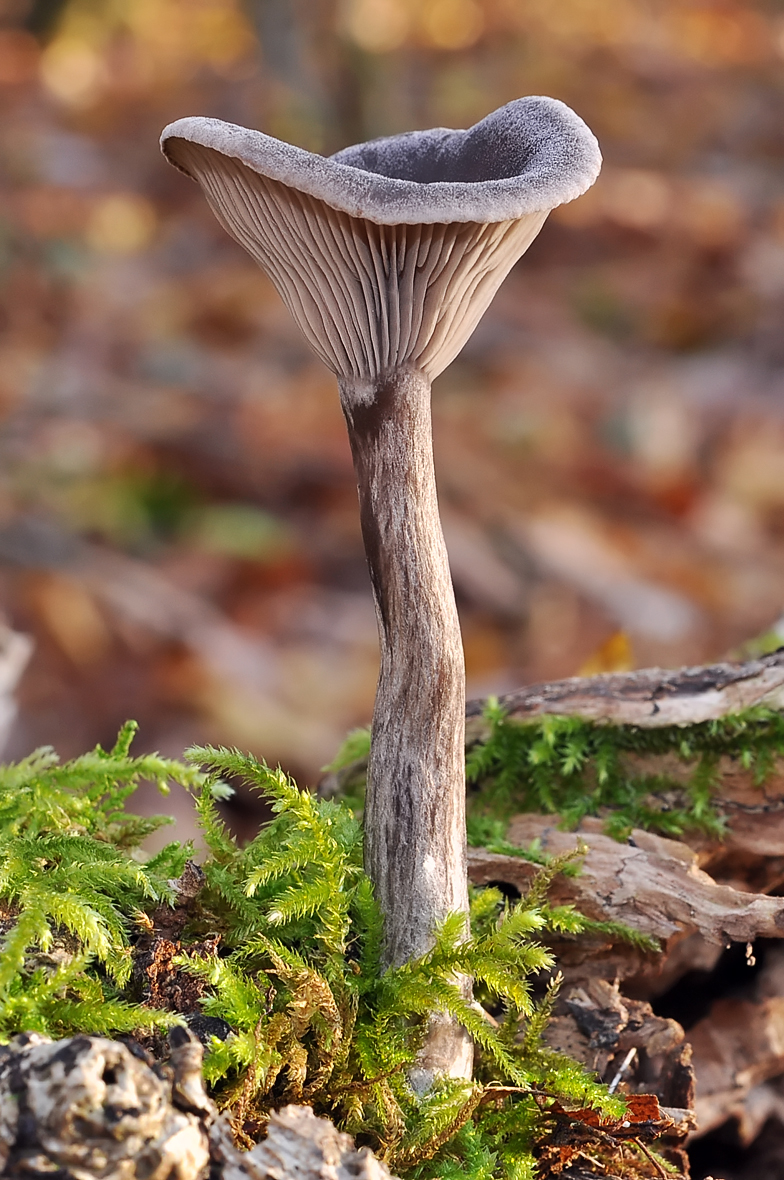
[(527, 157)]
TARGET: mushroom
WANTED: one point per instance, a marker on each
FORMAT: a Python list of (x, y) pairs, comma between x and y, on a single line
[(387, 254)]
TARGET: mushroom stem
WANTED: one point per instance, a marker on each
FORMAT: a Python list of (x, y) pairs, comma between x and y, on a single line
[(415, 838)]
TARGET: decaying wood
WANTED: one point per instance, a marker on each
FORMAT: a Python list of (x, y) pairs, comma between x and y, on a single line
[(298, 1146), (633, 1051), (653, 884), (696, 895), (738, 1052), (91, 1109), (630, 1048), (750, 853), (415, 844), (651, 697)]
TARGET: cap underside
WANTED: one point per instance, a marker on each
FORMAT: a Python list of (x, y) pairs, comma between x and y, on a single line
[(368, 298), (388, 254)]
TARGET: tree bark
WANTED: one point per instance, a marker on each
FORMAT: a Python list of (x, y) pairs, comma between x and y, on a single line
[(299, 1146), (415, 842), (651, 697)]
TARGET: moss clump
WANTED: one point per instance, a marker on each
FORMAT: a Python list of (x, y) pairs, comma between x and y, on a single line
[(573, 767), (280, 944), (71, 887)]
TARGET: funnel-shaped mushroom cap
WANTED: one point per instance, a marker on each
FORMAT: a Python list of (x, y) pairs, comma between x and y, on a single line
[(388, 253)]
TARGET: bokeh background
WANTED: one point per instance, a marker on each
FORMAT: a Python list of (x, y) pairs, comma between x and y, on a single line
[(178, 521)]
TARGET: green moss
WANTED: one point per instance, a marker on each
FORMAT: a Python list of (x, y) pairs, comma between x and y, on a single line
[(572, 767), (297, 977), (355, 747), (316, 1019), (282, 943), (71, 884)]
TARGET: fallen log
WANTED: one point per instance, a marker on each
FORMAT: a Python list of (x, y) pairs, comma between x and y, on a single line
[(752, 853), (749, 856), (695, 894), (650, 697)]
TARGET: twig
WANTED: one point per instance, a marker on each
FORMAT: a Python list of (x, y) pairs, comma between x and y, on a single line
[(628, 1059), (651, 1158)]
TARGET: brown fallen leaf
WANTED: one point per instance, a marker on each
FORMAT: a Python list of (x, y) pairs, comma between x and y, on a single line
[(576, 1133)]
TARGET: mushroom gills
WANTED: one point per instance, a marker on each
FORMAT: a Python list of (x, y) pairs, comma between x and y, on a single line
[(370, 299)]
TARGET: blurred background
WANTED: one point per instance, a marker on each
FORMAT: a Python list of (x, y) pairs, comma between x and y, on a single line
[(178, 522)]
